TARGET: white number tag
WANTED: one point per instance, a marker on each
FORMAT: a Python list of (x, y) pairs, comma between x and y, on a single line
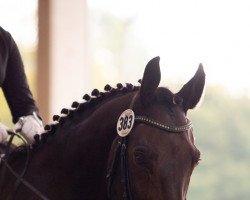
[(125, 122)]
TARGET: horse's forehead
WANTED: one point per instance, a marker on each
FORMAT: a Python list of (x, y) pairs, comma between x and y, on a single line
[(167, 114), (166, 105)]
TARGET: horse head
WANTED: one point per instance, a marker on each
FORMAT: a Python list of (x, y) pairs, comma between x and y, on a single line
[(161, 153)]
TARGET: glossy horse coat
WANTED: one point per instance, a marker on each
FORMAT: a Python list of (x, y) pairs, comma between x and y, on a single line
[(72, 158)]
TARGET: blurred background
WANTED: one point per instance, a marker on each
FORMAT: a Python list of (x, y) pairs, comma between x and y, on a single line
[(72, 47)]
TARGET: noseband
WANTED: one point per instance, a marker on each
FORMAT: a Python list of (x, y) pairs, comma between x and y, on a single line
[(121, 150)]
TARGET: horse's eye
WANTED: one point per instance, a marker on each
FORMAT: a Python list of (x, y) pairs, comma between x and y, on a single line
[(143, 158), (140, 157)]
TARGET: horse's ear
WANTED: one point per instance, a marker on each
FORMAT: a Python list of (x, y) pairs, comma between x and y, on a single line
[(192, 91), (150, 81)]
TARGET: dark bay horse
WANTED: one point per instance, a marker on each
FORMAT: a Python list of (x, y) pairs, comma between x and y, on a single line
[(82, 156)]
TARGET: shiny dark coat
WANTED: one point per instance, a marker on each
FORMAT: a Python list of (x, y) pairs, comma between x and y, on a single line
[(71, 160)]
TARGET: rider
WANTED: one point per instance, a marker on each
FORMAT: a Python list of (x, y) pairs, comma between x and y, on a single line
[(16, 91)]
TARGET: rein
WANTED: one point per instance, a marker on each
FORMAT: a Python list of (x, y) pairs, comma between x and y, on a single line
[(121, 150), (19, 177)]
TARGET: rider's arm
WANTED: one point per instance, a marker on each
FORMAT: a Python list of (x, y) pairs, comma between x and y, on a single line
[(14, 85)]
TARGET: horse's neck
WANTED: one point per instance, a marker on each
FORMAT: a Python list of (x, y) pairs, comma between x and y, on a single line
[(94, 139), (79, 152), (95, 135), (100, 127)]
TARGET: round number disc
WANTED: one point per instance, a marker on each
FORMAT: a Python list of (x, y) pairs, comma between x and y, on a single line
[(125, 122)]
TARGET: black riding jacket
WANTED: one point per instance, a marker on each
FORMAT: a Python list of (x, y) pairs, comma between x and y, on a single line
[(13, 79)]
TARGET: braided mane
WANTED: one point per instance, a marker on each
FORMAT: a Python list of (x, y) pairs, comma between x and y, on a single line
[(95, 99)]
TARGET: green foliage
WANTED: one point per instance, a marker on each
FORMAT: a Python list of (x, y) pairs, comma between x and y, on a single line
[(222, 135)]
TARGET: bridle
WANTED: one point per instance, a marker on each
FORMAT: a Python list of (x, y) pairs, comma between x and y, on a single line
[(120, 152)]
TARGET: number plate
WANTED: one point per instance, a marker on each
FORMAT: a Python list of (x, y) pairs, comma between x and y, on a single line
[(125, 122)]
